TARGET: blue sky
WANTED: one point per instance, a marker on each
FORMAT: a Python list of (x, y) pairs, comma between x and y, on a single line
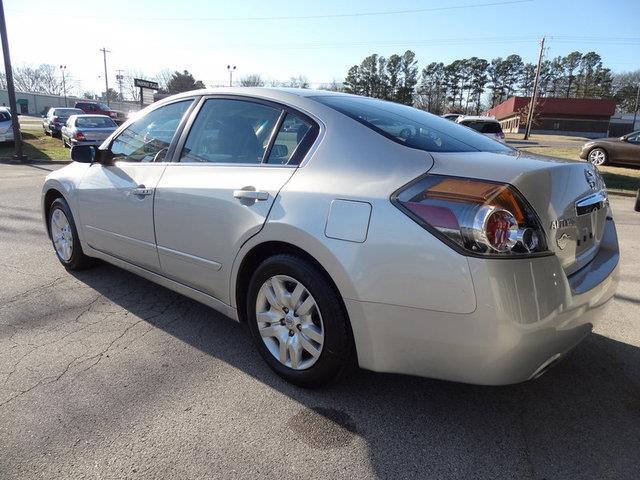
[(323, 40)]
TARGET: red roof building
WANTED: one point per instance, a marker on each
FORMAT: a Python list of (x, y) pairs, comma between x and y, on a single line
[(588, 117)]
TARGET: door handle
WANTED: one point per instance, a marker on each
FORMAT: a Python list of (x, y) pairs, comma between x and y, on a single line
[(141, 191), (251, 195)]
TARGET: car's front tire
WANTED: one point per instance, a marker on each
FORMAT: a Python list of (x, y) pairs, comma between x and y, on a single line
[(598, 156), (298, 322), (64, 237)]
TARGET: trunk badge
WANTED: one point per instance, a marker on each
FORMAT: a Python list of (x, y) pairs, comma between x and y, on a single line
[(562, 241)]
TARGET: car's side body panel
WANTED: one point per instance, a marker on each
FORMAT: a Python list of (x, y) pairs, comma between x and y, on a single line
[(200, 225)]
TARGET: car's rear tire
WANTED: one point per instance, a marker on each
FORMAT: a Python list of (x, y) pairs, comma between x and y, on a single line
[(298, 322), (598, 156), (64, 237)]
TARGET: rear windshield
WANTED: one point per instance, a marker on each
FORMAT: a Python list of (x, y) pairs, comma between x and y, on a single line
[(4, 116), (67, 112), (410, 126), (94, 122), (482, 126)]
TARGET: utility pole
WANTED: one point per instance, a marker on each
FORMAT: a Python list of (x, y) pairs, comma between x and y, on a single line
[(635, 113), (120, 79), (106, 78), (231, 69), (532, 105), (64, 84), (17, 136)]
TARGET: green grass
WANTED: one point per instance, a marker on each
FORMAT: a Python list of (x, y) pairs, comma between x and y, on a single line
[(37, 146), (617, 179)]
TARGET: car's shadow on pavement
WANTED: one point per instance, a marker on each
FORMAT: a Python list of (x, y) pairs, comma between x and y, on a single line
[(580, 420)]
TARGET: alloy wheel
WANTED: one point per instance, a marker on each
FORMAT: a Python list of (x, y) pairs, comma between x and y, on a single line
[(597, 157), (61, 235)]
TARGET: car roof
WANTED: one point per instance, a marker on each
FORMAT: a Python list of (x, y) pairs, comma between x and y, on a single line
[(476, 119), (91, 115), (270, 92)]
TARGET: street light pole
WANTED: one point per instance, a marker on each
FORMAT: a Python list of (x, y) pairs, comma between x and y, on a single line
[(106, 78), (17, 136), (231, 69), (64, 84)]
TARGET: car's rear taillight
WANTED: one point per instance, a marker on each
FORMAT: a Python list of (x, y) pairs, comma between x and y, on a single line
[(475, 216), (79, 136), (500, 135), (55, 119)]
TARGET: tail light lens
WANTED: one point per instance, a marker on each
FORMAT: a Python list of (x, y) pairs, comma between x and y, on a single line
[(79, 136), (56, 120), (475, 216)]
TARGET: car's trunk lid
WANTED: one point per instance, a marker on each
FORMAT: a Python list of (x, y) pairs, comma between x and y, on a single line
[(568, 196), (96, 134)]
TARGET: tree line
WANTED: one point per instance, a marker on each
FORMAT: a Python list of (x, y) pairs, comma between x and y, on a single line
[(469, 85), (473, 84)]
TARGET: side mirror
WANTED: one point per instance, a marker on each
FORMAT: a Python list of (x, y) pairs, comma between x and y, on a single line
[(83, 153), (91, 154)]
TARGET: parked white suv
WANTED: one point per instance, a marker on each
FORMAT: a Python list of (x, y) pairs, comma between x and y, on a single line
[(487, 126)]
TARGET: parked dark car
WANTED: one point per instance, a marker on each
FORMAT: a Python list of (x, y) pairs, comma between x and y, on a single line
[(624, 149), (56, 118), (99, 108), (87, 130)]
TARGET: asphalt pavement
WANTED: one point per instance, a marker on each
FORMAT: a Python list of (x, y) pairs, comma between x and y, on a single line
[(106, 375)]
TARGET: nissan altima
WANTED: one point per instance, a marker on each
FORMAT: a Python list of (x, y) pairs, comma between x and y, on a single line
[(347, 231)]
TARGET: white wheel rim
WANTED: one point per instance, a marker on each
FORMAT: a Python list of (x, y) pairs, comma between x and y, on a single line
[(61, 235), (597, 157), (289, 322)]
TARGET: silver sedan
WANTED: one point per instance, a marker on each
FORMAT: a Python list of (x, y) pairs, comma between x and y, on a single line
[(340, 242), (87, 130)]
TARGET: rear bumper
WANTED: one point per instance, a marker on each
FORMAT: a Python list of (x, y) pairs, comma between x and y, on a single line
[(529, 314)]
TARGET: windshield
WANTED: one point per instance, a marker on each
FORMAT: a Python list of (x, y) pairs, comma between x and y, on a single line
[(66, 112), (94, 122), (410, 126), (482, 126), (104, 106)]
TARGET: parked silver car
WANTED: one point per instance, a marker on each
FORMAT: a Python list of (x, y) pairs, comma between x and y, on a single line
[(6, 125), (441, 253), (87, 130)]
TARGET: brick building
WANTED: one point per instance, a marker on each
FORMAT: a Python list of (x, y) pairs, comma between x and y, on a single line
[(586, 117)]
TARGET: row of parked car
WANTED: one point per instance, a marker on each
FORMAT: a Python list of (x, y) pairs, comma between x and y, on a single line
[(88, 123)]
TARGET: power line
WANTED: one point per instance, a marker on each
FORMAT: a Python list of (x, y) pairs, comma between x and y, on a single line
[(310, 17)]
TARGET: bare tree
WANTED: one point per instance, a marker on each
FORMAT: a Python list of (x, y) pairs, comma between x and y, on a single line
[(334, 86), (163, 77), (26, 78), (131, 92), (50, 79), (298, 82), (252, 80)]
